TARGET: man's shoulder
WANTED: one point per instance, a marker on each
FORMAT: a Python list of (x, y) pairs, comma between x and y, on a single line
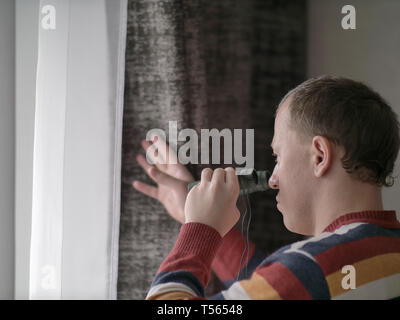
[(317, 263), (346, 240)]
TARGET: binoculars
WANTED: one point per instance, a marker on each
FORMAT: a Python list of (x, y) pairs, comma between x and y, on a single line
[(250, 180)]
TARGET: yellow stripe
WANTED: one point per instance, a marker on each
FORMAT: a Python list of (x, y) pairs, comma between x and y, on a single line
[(173, 295), (367, 270), (257, 288)]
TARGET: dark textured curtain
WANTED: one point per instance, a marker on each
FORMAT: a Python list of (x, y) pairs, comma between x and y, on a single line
[(205, 64)]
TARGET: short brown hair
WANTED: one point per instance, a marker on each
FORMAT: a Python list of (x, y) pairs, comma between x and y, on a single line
[(353, 116)]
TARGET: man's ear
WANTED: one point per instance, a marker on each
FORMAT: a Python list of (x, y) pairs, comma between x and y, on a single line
[(322, 152)]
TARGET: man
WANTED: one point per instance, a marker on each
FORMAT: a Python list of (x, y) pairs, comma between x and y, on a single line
[(335, 142)]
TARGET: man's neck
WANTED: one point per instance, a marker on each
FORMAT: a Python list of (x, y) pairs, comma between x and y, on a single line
[(336, 201)]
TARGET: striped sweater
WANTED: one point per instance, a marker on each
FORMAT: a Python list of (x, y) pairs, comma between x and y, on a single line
[(356, 257)]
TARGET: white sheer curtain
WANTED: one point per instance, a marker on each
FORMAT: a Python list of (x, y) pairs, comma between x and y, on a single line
[(77, 149)]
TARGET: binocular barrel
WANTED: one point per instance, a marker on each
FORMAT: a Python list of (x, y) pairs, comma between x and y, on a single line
[(250, 180)]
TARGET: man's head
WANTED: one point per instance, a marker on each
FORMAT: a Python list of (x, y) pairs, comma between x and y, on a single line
[(330, 130)]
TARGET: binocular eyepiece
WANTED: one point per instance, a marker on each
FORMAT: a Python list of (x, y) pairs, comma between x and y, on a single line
[(250, 180)]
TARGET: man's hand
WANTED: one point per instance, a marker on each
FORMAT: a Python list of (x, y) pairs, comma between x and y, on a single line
[(213, 200), (172, 179)]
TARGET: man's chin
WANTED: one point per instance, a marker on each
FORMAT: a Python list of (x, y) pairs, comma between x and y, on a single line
[(290, 226), (287, 223), (293, 227)]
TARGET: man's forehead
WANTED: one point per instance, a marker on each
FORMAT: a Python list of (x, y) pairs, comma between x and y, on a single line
[(275, 138), (280, 124)]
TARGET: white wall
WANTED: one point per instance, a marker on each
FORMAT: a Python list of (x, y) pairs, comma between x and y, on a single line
[(371, 53), (7, 141)]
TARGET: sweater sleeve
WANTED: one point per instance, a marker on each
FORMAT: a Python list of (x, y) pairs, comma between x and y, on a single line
[(236, 259), (186, 271)]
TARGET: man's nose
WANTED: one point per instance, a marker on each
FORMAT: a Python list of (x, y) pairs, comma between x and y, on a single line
[(273, 181)]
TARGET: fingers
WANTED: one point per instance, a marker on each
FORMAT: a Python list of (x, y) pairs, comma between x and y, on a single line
[(231, 177), (158, 151), (206, 174), (162, 178), (156, 175), (154, 154), (165, 150), (146, 189), (143, 163), (218, 176)]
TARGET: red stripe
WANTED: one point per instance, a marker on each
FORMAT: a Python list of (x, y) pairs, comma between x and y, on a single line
[(335, 258), (385, 218), (227, 260), (284, 281), (187, 262)]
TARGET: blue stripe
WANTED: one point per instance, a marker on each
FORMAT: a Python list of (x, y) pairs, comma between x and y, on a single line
[(361, 232), (253, 263), (183, 277), (307, 271), (228, 283), (218, 296)]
